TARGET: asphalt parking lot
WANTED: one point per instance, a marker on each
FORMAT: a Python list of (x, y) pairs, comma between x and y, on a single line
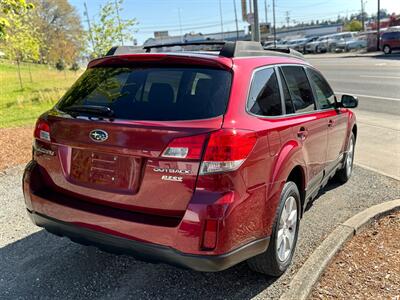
[(35, 264)]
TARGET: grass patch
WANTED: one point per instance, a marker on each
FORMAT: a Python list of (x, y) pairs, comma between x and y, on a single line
[(19, 107)]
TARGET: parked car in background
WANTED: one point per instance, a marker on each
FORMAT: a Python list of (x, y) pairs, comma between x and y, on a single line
[(267, 44), (353, 44), (390, 40), (333, 40), (300, 44), (197, 160), (317, 46), (280, 44)]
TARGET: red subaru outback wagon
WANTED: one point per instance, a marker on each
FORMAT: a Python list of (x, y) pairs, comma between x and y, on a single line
[(197, 159)]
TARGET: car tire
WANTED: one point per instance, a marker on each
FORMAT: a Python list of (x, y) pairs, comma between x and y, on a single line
[(277, 258), (344, 173), (387, 49), (317, 50)]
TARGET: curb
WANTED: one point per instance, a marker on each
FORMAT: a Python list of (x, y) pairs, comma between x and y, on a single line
[(309, 274)]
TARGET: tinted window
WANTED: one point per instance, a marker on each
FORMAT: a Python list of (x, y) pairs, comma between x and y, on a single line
[(286, 95), (265, 98), (325, 97), (391, 35), (152, 93), (299, 88)]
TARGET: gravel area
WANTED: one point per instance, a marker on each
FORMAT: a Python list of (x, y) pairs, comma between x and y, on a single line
[(368, 266), (15, 145), (35, 264)]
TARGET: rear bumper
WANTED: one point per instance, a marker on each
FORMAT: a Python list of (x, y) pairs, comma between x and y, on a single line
[(241, 232), (147, 251)]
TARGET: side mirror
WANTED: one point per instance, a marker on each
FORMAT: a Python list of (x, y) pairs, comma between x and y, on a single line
[(349, 101)]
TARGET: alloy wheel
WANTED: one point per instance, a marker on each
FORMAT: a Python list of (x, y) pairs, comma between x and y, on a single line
[(386, 49), (286, 229)]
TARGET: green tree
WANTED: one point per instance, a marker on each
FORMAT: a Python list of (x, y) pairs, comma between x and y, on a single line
[(21, 42), (353, 25), (11, 7), (61, 31), (110, 30)]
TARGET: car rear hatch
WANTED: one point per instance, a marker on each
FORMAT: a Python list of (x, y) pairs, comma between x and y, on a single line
[(120, 136)]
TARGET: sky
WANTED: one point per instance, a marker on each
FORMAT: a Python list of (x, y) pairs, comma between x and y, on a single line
[(204, 15)]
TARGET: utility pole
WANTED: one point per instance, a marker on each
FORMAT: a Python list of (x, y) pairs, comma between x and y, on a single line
[(378, 24), (287, 18), (180, 24), (222, 22), (236, 20), (362, 15), (266, 13), (119, 22), (86, 13), (256, 23), (273, 12)]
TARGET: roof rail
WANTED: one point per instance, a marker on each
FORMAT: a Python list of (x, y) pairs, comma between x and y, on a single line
[(226, 49), (289, 51), (116, 50)]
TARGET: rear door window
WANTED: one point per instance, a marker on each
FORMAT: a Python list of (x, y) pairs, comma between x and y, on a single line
[(299, 88), (265, 98), (163, 94)]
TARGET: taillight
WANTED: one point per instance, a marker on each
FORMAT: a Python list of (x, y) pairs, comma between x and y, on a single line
[(227, 149), (186, 147), (42, 130)]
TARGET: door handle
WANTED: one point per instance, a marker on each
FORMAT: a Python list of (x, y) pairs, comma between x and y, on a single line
[(302, 133), (331, 123)]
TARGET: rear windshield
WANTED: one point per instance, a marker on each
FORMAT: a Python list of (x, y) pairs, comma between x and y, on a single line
[(162, 94)]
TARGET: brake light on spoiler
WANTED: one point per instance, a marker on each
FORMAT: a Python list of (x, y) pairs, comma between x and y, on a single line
[(226, 149)]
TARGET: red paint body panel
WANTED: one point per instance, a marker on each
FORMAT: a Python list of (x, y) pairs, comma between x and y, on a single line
[(115, 187)]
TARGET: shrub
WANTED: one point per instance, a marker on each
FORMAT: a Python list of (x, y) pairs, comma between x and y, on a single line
[(60, 65), (74, 67)]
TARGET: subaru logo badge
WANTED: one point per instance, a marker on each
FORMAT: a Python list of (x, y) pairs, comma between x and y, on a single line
[(98, 135)]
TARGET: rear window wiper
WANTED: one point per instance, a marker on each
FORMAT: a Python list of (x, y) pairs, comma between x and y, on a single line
[(89, 110)]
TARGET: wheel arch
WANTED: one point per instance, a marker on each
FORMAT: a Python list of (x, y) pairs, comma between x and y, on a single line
[(297, 175)]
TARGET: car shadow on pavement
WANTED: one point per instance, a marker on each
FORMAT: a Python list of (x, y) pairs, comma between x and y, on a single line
[(331, 185), (44, 266)]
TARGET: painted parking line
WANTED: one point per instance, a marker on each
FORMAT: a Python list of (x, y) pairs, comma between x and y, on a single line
[(369, 96)]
